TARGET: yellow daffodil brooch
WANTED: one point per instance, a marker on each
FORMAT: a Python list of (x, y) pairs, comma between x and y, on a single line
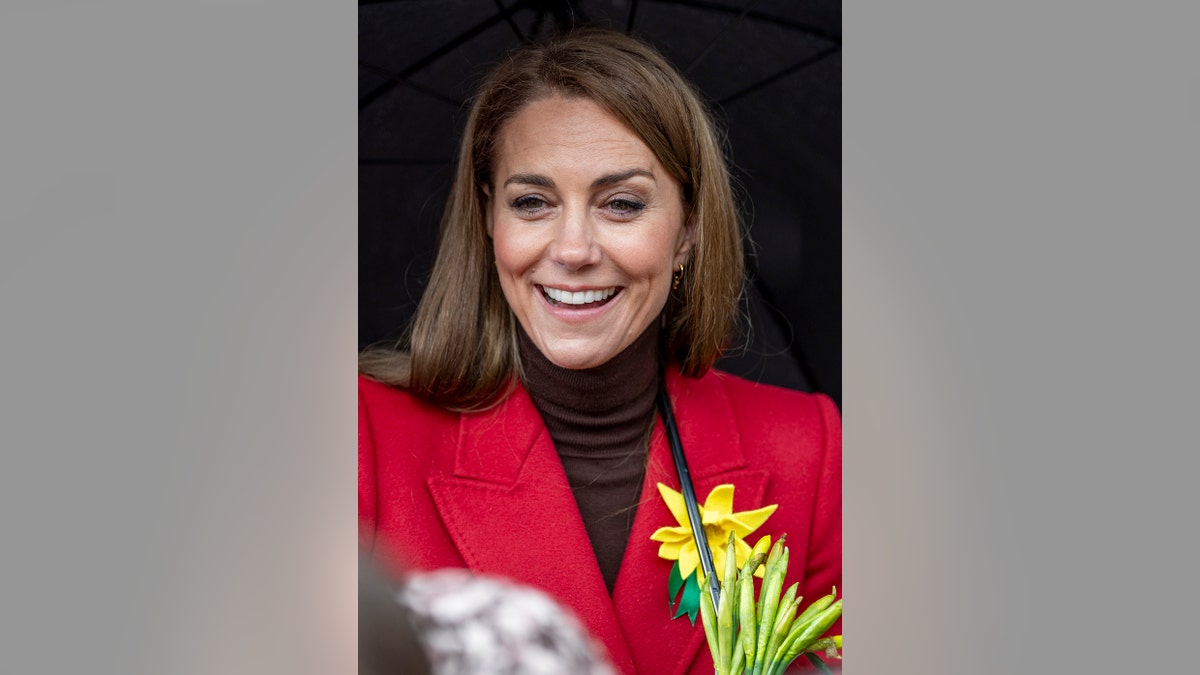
[(720, 521)]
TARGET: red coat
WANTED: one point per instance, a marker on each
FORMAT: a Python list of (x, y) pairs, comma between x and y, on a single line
[(487, 491)]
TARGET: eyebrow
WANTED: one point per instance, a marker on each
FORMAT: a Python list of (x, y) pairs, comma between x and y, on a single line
[(612, 178), (603, 181), (529, 179)]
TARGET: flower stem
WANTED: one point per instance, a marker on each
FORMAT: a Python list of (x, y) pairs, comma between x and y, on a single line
[(816, 661)]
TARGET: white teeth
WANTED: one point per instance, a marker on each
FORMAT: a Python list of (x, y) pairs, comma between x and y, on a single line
[(579, 297)]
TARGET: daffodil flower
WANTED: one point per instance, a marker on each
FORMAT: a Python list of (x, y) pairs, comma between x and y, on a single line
[(719, 521)]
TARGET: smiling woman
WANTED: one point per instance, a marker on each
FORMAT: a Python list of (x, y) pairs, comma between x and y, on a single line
[(588, 227), (590, 261)]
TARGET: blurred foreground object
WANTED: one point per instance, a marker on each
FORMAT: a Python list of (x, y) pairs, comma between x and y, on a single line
[(387, 637), (471, 624)]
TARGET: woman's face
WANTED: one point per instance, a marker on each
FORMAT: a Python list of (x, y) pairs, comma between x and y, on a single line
[(587, 228)]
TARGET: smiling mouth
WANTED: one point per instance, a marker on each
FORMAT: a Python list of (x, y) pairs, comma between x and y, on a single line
[(578, 299)]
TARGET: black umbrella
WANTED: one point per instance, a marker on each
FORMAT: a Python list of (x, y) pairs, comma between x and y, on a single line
[(771, 70)]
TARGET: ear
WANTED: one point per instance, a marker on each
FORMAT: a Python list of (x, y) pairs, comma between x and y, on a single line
[(487, 209), (686, 241)]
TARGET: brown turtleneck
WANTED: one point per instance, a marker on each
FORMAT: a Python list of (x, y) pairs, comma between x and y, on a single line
[(600, 419)]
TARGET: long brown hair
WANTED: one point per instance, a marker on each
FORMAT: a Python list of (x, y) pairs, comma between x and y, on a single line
[(461, 345)]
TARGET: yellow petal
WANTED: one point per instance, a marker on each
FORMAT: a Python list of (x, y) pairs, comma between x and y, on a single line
[(688, 559), (671, 550), (745, 522), (763, 545), (676, 504), (720, 499), (671, 534)]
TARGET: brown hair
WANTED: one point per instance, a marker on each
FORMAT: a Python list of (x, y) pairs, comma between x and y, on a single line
[(462, 342)]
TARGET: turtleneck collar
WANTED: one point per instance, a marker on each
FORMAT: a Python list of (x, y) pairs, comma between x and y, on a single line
[(595, 410)]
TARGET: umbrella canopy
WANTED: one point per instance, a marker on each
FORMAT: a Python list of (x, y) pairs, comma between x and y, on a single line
[(769, 69)]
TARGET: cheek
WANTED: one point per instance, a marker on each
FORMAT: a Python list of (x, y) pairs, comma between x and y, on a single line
[(655, 258), (513, 254)]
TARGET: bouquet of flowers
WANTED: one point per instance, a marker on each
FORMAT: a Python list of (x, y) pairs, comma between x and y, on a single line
[(746, 635), (763, 636)]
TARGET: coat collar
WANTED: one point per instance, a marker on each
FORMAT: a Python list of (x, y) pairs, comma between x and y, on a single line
[(510, 511)]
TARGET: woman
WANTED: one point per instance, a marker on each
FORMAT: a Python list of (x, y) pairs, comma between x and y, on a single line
[(590, 252)]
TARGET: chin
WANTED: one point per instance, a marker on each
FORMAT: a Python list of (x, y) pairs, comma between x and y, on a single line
[(577, 358), (573, 362)]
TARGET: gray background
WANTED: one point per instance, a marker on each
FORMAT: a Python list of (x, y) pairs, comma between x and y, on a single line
[(177, 294)]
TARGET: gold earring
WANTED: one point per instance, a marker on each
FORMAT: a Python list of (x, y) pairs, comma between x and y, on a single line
[(677, 278)]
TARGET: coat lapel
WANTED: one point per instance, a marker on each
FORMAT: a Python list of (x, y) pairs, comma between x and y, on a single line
[(714, 453), (510, 511)]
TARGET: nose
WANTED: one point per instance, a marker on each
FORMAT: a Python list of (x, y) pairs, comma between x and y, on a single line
[(574, 246)]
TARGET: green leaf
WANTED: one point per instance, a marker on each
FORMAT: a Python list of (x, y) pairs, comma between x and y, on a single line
[(689, 602), (674, 585)]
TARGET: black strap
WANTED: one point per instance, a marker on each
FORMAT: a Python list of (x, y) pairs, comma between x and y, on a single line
[(689, 493)]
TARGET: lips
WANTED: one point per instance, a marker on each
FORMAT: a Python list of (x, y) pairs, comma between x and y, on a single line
[(578, 299)]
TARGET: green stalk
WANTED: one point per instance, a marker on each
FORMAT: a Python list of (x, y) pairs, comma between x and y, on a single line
[(747, 625), (816, 661), (738, 664), (812, 631), (772, 562), (708, 617), (787, 610), (730, 566), (725, 607), (768, 601), (816, 608), (724, 633), (825, 644), (783, 620)]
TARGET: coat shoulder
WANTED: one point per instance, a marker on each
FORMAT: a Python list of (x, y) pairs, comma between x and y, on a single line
[(387, 410), (765, 403), (374, 393), (780, 428)]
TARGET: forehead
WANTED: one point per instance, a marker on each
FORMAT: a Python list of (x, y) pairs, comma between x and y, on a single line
[(573, 133)]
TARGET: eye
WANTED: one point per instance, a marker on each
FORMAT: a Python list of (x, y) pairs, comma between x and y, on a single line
[(529, 204), (625, 207)]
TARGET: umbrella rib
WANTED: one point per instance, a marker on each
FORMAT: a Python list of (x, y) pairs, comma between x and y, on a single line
[(629, 19), (402, 161), (715, 41), (436, 54), (511, 24), (815, 31), (778, 76), (412, 85)]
